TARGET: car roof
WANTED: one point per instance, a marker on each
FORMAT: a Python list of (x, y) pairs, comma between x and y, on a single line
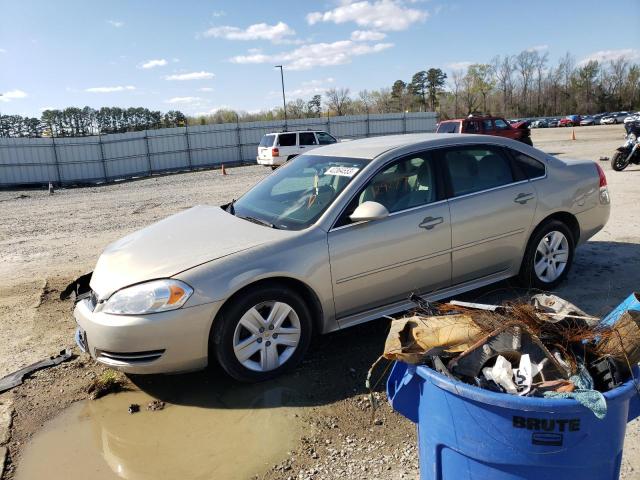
[(296, 131), (372, 147)]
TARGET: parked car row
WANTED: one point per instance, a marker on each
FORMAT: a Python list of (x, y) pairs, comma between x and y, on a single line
[(606, 118)]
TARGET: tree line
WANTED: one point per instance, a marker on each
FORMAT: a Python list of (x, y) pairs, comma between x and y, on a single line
[(514, 86), (78, 122)]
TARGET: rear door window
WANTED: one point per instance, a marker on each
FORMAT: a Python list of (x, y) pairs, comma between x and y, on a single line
[(474, 169), (531, 167), (325, 139), (307, 138), (267, 141), (287, 140)]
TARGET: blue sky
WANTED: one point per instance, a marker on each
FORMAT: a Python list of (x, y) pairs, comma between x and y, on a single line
[(201, 55)]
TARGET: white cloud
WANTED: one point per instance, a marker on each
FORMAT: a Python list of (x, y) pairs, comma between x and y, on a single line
[(258, 31), (459, 65), (381, 14), (309, 88), (316, 54), (205, 89), (13, 95), (184, 100), (538, 48), (610, 55), (161, 62), (119, 88), (115, 23), (191, 76), (2, 50), (218, 13), (367, 36)]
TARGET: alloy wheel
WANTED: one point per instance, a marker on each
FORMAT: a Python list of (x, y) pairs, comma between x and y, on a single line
[(552, 256), (266, 336)]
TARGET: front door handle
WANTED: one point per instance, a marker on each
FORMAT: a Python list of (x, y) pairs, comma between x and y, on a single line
[(430, 222), (523, 198)]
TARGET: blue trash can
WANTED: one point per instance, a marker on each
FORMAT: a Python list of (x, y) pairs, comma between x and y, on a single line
[(467, 433)]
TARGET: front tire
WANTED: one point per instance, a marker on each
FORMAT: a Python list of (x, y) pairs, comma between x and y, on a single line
[(619, 161), (262, 333), (548, 257)]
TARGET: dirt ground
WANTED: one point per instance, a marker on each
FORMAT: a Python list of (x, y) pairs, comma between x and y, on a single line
[(48, 240)]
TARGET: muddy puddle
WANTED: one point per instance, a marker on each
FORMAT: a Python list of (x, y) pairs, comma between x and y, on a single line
[(206, 435)]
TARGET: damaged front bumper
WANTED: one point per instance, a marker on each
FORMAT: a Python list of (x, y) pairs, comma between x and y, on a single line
[(167, 342)]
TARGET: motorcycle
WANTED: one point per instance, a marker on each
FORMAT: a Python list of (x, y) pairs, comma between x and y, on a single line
[(629, 152)]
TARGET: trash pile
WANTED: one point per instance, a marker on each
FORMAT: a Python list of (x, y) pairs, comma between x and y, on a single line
[(547, 347)]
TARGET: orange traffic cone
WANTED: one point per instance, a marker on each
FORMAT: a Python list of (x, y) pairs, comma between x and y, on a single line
[(224, 172), (573, 134)]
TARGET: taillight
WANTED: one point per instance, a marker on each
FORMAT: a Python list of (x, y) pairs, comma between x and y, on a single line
[(275, 152), (603, 177)]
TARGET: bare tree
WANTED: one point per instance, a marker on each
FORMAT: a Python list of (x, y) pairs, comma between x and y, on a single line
[(525, 64), (503, 70), (456, 77), (337, 100)]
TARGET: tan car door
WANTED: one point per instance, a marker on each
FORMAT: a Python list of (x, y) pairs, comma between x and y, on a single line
[(491, 211), (380, 262)]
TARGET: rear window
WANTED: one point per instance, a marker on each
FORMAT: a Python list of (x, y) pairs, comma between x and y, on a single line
[(449, 127), (287, 140), (267, 141)]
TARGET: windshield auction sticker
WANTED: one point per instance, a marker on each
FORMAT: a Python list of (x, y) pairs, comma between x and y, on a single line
[(342, 171)]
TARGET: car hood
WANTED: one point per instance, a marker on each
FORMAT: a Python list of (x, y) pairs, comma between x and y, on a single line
[(175, 244)]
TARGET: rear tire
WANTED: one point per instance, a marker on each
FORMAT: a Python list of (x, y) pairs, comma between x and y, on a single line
[(548, 257), (527, 141), (261, 333), (619, 161)]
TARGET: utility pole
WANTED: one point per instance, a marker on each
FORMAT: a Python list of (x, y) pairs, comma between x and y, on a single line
[(284, 100)]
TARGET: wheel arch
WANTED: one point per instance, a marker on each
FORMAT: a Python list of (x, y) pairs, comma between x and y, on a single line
[(308, 295), (568, 219)]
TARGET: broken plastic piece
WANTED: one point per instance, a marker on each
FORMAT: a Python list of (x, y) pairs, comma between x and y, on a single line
[(607, 373), (79, 286), (557, 309), (14, 379), (510, 342)]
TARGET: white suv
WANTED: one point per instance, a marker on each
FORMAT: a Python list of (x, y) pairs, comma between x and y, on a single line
[(278, 148)]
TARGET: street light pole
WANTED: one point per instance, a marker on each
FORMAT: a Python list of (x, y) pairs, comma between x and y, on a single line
[(284, 100)]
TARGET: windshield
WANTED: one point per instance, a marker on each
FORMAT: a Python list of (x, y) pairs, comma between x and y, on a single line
[(267, 141), (294, 196)]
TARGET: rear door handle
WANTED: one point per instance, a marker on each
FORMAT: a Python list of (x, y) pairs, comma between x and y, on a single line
[(523, 198), (430, 222)]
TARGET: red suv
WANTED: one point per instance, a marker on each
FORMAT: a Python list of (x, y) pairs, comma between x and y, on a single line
[(487, 125)]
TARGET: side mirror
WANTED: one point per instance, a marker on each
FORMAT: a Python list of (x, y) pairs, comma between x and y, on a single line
[(369, 211)]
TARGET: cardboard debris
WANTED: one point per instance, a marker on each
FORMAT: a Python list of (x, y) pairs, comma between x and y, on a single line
[(411, 339)]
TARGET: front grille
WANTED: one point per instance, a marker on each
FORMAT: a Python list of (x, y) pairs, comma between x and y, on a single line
[(128, 358)]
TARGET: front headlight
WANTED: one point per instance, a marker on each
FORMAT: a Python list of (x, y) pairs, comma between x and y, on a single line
[(631, 137), (150, 297)]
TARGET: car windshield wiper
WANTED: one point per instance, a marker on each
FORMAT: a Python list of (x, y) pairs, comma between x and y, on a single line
[(258, 221)]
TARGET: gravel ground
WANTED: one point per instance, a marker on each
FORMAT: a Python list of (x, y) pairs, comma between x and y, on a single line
[(48, 240)]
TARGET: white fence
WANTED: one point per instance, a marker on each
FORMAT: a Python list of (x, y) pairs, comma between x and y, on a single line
[(98, 159)]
